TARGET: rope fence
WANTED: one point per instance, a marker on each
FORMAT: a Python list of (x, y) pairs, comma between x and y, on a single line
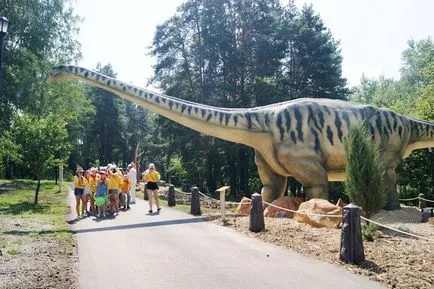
[(396, 230), (302, 212), (416, 198)]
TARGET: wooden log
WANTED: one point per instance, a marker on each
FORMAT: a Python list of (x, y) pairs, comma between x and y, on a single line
[(257, 223), (351, 250), (195, 202), (171, 200)]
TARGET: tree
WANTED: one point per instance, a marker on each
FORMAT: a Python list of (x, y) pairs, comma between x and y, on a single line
[(364, 182), (312, 66), (41, 32), (235, 53), (43, 143), (411, 95)]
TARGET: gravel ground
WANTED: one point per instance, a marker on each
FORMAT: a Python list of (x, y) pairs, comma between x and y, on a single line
[(397, 261), (36, 260)]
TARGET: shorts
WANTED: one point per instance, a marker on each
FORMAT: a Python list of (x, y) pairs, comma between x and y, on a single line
[(152, 186), (112, 192), (87, 191), (78, 191)]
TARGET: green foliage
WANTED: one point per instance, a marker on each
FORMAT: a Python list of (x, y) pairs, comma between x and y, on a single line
[(368, 231), (42, 140), (239, 54), (43, 143), (40, 33), (312, 63), (364, 182), (14, 252), (176, 167), (17, 203), (411, 95)]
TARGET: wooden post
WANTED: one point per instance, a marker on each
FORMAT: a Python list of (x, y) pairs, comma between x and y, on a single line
[(223, 205), (60, 177), (257, 223), (422, 203), (352, 250), (222, 192), (171, 200), (195, 202)]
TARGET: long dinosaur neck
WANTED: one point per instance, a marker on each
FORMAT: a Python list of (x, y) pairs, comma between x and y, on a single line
[(235, 125), (421, 135)]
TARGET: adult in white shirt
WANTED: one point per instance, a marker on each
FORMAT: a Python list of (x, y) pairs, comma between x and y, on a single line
[(132, 175)]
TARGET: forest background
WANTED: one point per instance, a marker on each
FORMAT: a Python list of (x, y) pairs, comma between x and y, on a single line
[(229, 53)]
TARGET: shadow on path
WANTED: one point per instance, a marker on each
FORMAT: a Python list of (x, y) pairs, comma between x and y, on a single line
[(139, 225)]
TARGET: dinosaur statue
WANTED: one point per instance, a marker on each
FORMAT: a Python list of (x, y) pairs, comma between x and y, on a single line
[(302, 138)]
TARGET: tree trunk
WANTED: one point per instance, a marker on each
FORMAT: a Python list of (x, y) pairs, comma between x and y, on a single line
[(211, 178), (38, 177), (56, 176), (243, 155), (231, 160), (432, 170)]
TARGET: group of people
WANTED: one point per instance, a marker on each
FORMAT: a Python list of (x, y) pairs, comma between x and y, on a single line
[(106, 190)]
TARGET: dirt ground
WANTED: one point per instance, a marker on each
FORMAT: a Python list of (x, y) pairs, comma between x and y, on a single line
[(36, 260), (397, 261)]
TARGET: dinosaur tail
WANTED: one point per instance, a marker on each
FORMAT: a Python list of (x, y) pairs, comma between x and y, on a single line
[(235, 125)]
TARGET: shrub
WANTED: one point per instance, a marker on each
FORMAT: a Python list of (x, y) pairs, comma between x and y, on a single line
[(368, 231), (364, 183)]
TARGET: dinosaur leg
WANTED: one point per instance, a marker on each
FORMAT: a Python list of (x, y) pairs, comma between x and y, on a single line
[(274, 185), (392, 202), (312, 175)]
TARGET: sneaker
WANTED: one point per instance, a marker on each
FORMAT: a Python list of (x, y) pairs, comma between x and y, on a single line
[(150, 211), (103, 214), (99, 215), (158, 209), (128, 208)]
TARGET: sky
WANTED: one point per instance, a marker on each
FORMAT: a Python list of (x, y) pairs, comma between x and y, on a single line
[(372, 33)]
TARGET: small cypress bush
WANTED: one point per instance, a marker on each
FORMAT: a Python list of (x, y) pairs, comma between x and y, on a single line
[(364, 183)]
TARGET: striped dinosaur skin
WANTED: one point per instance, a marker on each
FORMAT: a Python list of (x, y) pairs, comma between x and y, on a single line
[(301, 138)]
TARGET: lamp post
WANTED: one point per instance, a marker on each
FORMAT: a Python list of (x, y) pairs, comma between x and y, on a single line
[(4, 24)]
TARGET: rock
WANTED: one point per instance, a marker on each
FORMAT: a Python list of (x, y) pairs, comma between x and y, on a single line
[(291, 203), (426, 214), (404, 228), (319, 206), (244, 206), (378, 234)]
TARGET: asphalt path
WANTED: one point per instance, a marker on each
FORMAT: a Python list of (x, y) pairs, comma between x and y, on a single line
[(176, 250)]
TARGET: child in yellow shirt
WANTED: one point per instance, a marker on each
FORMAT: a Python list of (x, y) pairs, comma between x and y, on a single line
[(125, 192)]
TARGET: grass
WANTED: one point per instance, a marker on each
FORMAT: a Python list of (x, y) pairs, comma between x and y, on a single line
[(13, 252), (16, 202)]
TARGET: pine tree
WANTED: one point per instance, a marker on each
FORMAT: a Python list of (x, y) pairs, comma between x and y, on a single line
[(364, 182)]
